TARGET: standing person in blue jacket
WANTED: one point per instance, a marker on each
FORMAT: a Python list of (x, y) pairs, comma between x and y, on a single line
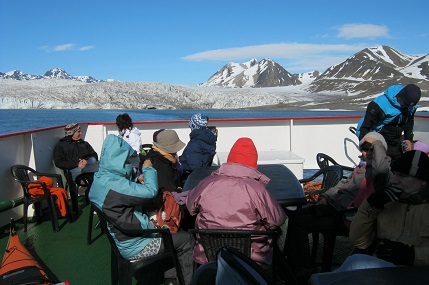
[(120, 198), (201, 147), (392, 115)]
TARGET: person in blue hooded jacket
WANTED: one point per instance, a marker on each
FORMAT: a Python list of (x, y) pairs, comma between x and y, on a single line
[(392, 115), (201, 147), (121, 197)]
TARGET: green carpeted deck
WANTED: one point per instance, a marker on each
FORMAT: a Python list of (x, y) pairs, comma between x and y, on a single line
[(65, 255)]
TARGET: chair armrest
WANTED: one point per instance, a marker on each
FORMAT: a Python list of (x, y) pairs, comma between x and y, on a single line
[(312, 177), (140, 232), (313, 192), (271, 233), (133, 232), (58, 177), (43, 184)]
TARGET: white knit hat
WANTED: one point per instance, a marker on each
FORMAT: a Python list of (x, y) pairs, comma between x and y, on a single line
[(376, 136)]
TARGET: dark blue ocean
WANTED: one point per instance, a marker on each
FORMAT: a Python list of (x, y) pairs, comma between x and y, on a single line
[(29, 119)]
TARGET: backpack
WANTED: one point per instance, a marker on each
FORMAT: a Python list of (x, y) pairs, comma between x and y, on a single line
[(169, 215), (233, 267)]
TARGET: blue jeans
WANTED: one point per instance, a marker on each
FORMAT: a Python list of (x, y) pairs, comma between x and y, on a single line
[(76, 171), (363, 261)]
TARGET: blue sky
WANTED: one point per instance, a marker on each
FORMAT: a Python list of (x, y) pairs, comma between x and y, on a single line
[(185, 42)]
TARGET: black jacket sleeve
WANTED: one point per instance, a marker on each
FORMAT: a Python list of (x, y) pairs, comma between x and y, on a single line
[(61, 160), (373, 115)]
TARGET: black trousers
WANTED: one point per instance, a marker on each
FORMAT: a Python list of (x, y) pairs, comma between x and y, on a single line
[(183, 244), (304, 221)]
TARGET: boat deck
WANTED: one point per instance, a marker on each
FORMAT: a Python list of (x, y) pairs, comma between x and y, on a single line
[(65, 255)]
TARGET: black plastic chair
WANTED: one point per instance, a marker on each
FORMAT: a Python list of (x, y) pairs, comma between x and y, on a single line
[(237, 269), (122, 270), (324, 160), (212, 240), (72, 187), (330, 176), (85, 180), (21, 173)]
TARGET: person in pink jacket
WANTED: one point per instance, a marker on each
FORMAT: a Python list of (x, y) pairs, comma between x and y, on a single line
[(234, 196)]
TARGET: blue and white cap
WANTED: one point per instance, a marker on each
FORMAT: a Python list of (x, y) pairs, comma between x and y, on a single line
[(198, 121)]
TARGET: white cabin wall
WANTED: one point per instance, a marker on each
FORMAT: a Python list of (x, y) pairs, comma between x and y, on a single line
[(331, 137), (95, 135), (304, 137), (421, 130), (18, 151), (267, 135), (44, 143)]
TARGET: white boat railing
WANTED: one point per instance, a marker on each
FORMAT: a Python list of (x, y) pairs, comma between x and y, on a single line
[(304, 137)]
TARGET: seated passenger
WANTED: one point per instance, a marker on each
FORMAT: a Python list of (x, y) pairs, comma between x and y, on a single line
[(329, 212), (201, 147), (235, 197), (163, 155), (128, 132), (117, 195), (393, 220), (73, 153)]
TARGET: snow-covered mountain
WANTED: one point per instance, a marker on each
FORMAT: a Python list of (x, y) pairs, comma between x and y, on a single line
[(373, 70), (349, 85), (265, 73), (54, 73)]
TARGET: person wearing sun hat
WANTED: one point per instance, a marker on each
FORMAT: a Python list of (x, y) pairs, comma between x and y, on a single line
[(166, 144), (392, 115), (201, 147), (393, 220), (73, 153), (234, 196)]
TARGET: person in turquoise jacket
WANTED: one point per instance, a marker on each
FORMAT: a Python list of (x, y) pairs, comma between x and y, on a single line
[(392, 115), (120, 197)]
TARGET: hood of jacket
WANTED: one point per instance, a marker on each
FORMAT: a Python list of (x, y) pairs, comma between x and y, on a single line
[(127, 132), (391, 93), (114, 157)]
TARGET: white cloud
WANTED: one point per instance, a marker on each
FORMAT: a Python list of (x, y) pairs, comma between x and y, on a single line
[(282, 51), (351, 31), (66, 47), (86, 48), (63, 47)]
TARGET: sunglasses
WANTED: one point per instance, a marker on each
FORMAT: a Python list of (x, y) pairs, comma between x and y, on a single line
[(155, 135)]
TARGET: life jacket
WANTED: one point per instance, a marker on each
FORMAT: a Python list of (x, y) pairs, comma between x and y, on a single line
[(169, 215)]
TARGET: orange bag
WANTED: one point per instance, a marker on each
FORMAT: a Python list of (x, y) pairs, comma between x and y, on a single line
[(169, 215)]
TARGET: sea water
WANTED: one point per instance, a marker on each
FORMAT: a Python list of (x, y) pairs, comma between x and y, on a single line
[(29, 119)]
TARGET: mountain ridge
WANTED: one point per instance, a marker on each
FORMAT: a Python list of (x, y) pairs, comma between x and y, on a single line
[(54, 73), (347, 85)]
